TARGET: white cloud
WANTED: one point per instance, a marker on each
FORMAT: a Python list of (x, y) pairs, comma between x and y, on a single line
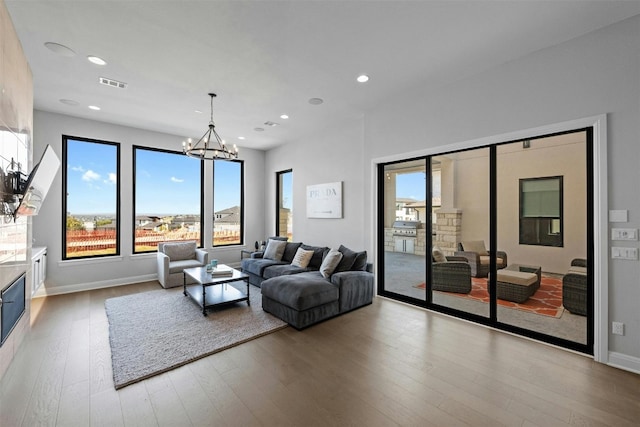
[(77, 168), (174, 179), (90, 176), (112, 178)]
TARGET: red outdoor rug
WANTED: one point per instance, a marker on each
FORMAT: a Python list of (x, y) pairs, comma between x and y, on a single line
[(547, 300)]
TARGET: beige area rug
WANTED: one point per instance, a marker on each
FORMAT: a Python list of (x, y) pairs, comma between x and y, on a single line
[(154, 332)]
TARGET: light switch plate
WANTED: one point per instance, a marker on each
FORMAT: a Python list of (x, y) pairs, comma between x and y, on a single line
[(624, 253), (624, 234), (619, 215)]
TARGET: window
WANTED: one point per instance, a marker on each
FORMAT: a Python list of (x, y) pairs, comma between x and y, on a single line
[(284, 210), (90, 202), (541, 211), (228, 200), (167, 198)]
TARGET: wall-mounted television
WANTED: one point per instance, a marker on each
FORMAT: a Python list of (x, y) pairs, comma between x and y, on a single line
[(36, 187)]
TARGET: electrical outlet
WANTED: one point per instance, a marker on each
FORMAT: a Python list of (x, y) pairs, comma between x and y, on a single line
[(617, 328)]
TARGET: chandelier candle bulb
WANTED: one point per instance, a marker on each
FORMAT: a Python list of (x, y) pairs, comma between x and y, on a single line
[(201, 148)]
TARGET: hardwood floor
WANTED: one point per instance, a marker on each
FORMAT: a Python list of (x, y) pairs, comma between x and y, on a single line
[(384, 364)]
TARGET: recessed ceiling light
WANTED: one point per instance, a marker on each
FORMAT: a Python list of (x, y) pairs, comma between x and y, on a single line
[(94, 107), (241, 137), (316, 101), (60, 49), (198, 111), (363, 78), (270, 123), (69, 102), (259, 129), (284, 116), (96, 60)]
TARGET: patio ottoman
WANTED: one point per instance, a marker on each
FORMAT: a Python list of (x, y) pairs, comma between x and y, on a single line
[(516, 285)]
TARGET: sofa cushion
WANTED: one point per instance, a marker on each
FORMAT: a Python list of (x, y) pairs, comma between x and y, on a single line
[(351, 260), (180, 250), (281, 270), (577, 270), (476, 246), (257, 265), (275, 249), (330, 263), (302, 258), (178, 266), (300, 291), (318, 255), (290, 251), (438, 255), (360, 263)]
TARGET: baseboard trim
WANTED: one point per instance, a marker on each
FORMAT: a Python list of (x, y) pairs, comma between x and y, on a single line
[(67, 289), (623, 361)]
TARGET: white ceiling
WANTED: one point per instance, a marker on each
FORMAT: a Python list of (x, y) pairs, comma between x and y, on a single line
[(266, 58)]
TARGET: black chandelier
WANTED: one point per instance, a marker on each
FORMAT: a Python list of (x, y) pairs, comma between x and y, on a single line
[(210, 146)]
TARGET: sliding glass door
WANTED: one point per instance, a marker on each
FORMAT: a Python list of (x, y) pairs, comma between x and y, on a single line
[(542, 224), (497, 234), (460, 231), (404, 227)]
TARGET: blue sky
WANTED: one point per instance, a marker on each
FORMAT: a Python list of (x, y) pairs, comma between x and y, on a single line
[(413, 185), (287, 187), (166, 183)]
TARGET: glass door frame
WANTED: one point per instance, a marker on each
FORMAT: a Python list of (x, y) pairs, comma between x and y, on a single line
[(492, 320)]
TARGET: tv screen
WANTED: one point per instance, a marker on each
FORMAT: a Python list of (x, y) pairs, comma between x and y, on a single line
[(38, 183)]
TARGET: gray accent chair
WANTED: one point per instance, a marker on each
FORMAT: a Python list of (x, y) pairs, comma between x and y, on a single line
[(174, 257)]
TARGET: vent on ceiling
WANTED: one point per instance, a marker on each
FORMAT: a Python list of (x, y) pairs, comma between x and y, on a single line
[(113, 83)]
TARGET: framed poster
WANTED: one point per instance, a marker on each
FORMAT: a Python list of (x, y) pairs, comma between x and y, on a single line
[(324, 200)]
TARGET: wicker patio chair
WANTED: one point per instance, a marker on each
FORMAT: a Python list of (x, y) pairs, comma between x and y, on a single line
[(454, 275), (574, 287), (478, 257)]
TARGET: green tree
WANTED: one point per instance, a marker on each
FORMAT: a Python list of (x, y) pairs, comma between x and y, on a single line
[(74, 223), (103, 222)]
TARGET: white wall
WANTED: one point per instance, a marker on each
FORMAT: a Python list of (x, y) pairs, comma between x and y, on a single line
[(336, 155), (67, 276), (594, 74), (585, 77)]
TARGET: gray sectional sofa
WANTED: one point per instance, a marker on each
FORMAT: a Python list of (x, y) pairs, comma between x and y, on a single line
[(303, 296)]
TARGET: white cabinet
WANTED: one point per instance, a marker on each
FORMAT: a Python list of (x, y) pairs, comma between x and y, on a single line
[(405, 245), (38, 268)]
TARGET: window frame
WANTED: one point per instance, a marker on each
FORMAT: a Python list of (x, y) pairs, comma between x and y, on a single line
[(279, 192), (134, 148), (65, 191), (213, 192), (542, 222)]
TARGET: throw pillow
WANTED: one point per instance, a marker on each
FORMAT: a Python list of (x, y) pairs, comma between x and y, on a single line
[(438, 255), (318, 255), (302, 258), (360, 264), (348, 258), (351, 260), (475, 246), (275, 249), (330, 263)]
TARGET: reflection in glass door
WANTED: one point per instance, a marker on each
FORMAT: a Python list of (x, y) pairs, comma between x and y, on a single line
[(542, 225), (405, 225)]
